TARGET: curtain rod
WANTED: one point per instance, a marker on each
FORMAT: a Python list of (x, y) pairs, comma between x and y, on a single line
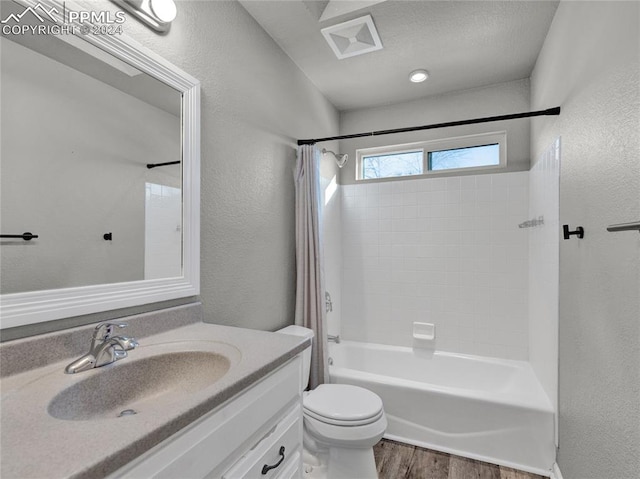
[(549, 111), (155, 165)]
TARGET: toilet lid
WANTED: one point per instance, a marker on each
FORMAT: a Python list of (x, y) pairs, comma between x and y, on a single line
[(343, 404)]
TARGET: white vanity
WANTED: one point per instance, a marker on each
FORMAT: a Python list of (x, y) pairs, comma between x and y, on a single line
[(242, 417), (257, 433)]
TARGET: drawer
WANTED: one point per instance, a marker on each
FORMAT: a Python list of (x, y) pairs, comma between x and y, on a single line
[(211, 444), (274, 453), (293, 468)]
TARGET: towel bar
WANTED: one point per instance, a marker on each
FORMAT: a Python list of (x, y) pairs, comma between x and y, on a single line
[(635, 225)]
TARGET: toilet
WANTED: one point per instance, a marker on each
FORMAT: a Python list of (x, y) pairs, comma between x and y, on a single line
[(342, 423)]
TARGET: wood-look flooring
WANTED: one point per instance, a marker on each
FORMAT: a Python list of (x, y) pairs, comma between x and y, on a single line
[(395, 460)]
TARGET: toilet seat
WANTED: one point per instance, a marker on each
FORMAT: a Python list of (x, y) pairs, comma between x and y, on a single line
[(343, 405)]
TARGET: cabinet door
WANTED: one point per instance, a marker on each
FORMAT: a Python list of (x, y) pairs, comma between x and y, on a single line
[(218, 439), (293, 470), (274, 453)]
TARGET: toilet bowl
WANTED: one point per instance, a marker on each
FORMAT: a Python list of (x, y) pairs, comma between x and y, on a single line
[(342, 423)]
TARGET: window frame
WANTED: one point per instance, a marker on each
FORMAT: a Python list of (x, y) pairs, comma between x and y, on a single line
[(453, 143), (389, 150)]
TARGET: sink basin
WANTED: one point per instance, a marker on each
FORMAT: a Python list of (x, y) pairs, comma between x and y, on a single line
[(135, 385)]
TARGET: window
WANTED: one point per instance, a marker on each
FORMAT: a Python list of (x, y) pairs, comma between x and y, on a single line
[(402, 163), (486, 151)]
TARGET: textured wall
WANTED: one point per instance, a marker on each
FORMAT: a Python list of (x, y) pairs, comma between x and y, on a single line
[(255, 104), (446, 251), (595, 77), (499, 99)]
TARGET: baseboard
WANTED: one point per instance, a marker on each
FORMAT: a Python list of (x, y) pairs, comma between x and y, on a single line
[(555, 472)]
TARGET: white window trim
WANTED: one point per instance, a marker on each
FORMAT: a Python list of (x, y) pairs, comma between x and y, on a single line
[(468, 141)]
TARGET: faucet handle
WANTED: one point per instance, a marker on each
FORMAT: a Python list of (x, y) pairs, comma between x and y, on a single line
[(103, 331), (127, 344)]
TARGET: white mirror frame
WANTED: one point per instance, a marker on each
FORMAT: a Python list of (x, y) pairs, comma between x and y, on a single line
[(20, 309)]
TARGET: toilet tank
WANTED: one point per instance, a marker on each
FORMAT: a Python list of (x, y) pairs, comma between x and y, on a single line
[(306, 354)]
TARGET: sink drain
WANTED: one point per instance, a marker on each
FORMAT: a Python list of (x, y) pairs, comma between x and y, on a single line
[(127, 412)]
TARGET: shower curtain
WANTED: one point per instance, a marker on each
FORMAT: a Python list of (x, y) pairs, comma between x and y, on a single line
[(310, 311)]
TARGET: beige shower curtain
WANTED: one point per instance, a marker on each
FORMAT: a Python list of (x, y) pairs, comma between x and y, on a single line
[(310, 311)]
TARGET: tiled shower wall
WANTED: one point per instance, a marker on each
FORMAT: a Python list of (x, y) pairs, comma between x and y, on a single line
[(446, 251)]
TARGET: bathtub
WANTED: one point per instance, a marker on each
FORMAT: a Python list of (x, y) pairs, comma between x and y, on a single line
[(493, 410)]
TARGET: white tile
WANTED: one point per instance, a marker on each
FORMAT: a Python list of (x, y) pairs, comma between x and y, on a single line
[(372, 189), (347, 190), (438, 184), (447, 249), (499, 195), (372, 201), (467, 195), (410, 212), (409, 198), (452, 196), (410, 186), (385, 225), (500, 180), (453, 183), (397, 199), (385, 200), (483, 181), (468, 182), (397, 211), (423, 185)]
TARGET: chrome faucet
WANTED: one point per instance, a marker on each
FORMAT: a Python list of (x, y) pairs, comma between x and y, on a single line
[(335, 339), (104, 349)]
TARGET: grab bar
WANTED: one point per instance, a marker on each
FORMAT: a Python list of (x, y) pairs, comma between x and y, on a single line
[(25, 236), (635, 225)]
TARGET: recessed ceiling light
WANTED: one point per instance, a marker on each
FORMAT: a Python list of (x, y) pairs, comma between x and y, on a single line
[(417, 76)]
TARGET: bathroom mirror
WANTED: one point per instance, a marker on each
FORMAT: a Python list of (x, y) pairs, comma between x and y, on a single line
[(100, 161)]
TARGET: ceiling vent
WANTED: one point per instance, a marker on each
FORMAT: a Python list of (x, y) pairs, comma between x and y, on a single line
[(354, 37)]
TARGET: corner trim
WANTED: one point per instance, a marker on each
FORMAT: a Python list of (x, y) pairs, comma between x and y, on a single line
[(555, 472)]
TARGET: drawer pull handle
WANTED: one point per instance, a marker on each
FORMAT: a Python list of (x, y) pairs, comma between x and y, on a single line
[(266, 468)]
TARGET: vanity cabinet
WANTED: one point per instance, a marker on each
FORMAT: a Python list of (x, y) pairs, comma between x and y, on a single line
[(255, 434)]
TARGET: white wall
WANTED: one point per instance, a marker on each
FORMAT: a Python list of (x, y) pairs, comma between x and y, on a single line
[(544, 267), (440, 250), (74, 155), (163, 231), (500, 99), (590, 65)]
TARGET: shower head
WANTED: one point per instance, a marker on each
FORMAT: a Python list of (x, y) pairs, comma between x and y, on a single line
[(341, 160)]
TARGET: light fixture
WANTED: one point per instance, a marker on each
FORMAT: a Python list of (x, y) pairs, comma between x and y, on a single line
[(418, 76), (158, 14), (341, 160), (165, 10)]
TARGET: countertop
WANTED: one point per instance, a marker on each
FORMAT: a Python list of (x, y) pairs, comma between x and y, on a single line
[(36, 444)]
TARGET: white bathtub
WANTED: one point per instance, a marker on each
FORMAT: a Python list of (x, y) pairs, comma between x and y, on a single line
[(489, 409)]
